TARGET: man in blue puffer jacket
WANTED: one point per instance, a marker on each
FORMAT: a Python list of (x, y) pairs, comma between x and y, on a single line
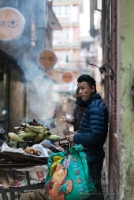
[(93, 130)]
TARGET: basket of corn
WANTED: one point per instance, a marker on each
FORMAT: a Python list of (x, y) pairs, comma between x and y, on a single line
[(31, 133)]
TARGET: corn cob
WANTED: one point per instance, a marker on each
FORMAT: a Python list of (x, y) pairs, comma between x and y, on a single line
[(39, 137), (29, 139), (47, 133), (37, 123), (17, 128), (27, 129), (24, 134), (52, 137), (15, 137), (37, 129)]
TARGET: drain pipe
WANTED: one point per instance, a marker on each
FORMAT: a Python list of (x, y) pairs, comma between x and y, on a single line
[(41, 24)]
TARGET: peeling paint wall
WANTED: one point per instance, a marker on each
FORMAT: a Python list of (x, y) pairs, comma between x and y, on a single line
[(125, 110)]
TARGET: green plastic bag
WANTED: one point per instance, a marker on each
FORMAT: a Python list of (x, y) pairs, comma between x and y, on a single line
[(68, 176)]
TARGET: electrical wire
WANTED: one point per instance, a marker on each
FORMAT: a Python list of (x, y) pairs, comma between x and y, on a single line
[(104, 72)]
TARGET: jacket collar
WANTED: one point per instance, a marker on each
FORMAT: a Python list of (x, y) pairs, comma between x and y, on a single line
[(92, 98)]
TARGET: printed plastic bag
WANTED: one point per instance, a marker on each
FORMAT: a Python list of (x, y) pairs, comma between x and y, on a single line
[(68, 176)]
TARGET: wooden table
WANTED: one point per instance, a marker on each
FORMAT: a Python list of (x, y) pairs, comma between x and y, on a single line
[(11, 161)]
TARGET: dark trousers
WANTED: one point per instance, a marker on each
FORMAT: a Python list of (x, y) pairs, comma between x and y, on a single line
[(95, 169)]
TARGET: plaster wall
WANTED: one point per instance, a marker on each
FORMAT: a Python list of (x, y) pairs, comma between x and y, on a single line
[(125, 107)]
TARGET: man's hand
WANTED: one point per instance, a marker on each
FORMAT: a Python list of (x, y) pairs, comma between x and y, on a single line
[(64, 119), (70, 138), (69, 121)]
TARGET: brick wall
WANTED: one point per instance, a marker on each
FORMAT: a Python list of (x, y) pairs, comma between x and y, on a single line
[(109, 36)]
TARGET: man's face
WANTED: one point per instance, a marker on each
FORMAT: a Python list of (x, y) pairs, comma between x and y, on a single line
[(85, 91)]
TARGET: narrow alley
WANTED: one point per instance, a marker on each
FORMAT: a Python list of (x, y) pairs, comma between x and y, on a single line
[(57, 56)]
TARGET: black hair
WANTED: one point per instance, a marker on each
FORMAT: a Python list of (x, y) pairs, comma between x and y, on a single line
[(80, 102), (77, 90), (87, 78)]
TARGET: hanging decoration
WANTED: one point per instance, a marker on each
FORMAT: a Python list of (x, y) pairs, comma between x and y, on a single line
[(12, 23), (47, 58), (67, 77)]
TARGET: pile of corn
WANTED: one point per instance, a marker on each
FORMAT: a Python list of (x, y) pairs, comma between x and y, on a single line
[(32, 131)]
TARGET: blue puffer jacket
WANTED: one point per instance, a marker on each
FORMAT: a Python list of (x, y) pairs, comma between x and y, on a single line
[(93, 128)]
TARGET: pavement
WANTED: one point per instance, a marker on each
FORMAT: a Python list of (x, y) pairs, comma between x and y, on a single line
[(104, 184)]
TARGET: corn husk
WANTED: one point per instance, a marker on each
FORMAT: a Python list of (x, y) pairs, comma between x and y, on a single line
[(15, 137), (39, 137), (52, 137), (24, 134)]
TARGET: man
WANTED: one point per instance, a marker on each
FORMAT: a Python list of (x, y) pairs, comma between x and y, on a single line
[(93, 130), (78, 112)]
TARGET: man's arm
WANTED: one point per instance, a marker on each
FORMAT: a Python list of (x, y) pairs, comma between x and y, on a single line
[(96, 131)]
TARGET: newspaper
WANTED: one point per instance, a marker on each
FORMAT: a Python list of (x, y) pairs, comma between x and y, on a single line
[(47, 144), (45, 152)]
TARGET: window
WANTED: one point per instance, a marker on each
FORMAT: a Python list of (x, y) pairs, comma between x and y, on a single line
[(99, 4), (67, 10), (61, 37), (61, 10), (66, 34), (74, 17), (57, 10)]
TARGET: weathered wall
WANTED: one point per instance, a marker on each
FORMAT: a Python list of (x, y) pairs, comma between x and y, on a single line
[(125, 111)]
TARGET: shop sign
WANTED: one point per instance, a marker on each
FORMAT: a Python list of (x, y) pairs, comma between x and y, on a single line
[(67, 77), (11, 23), (47, 58)]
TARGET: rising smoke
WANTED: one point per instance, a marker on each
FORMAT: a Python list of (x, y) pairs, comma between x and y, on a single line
[(39, 102)]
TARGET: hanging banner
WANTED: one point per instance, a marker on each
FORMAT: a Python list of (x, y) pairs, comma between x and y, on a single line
[(67, 77), (47, 58), (11, 23)]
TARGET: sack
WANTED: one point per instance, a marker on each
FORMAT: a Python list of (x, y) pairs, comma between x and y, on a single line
[(68, 176)]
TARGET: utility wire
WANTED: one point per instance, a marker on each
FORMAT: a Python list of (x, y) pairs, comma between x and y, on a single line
[(107, 76), (111, 75)]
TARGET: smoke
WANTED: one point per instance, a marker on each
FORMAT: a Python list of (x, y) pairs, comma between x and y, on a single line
[(39, 92), (38, 86)]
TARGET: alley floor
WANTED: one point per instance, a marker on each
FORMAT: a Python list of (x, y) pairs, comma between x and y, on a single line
[(104, 184)]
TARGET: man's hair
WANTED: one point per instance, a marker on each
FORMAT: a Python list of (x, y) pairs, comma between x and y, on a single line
[(77, 91), (87, 78)]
